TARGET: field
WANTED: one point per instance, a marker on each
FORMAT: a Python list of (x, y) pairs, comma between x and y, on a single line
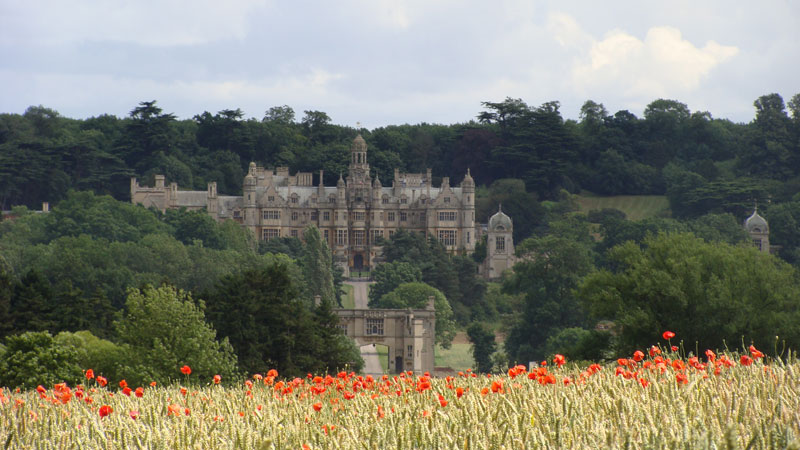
[(635, 207), (655, 401)]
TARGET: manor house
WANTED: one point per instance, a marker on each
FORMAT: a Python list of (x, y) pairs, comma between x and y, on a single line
[(351, 216)]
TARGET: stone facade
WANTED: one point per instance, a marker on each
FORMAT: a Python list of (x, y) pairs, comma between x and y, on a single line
[(408, 334), (499, 246), (758, 229), (351, 215)]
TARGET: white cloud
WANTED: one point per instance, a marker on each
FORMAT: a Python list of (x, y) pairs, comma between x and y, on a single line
[(145, 22), (663, 64)]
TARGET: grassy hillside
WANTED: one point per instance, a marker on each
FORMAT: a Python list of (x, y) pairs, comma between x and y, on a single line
[(634, 206)]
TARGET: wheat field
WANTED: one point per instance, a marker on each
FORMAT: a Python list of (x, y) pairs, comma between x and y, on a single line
[(651, 400)]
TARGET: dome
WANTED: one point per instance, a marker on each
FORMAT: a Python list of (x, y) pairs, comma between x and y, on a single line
[(468, 181), (359, 144), (500, 222), (250, 178), (756, 224)]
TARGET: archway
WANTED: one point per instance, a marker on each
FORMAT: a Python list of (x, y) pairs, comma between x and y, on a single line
[(358, 262)]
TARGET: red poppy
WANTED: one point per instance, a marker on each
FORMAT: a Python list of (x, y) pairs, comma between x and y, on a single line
[(668, 335), (681, 378), (654, 351), (497, 386), (442, 401), (173, 410), (123, 384), (711, 355), (40, 389), (756, 354), (218, 378), (745, 360), (559, 360), (139, 392), (381, 414), (134, 414), (89, 374), (674, 348), (272, 373), (459, 392), (186, 370), (105, 410), (638, 355), (317, 406), (126, 391)]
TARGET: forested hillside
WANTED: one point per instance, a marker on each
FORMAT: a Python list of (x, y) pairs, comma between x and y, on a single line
[(72, 269)]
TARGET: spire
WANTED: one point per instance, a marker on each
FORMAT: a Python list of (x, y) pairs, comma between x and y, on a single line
[(499, 207)]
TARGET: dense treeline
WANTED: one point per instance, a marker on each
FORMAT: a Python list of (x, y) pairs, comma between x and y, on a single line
[(702, 163)]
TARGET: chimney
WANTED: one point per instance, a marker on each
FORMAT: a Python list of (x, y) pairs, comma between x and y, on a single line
[(45, 207), (431, 302)]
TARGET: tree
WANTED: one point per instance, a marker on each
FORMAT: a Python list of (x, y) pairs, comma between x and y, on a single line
[(483, 346), (34, 358), (416, 296), (388, 276), (166, 329), (548, 273), (261, 312), (283, 115), (317, 265), (710, 294)]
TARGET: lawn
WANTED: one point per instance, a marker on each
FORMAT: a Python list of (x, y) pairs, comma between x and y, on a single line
[(457, 357), (348, 302), (635, 207)]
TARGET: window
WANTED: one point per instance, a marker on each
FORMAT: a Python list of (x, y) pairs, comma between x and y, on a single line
[(269, 233), (403, 216), (423, 200), (410, 351), (422, 217), (391, 216), (467, 237), (325, 234), (332, 199), (500, 244), (341, 237), (271, 198), (294, 198), (358, 237), (326, 215), (385, 200), (314, 215), (447, 237), (359, 216), (294, 215), (343, 327), (403, 200), (237, 214), (391, 233), (294, 233), (448, 216), (757, 243), (447, 199), (376, 235), (374, 327), (271, 214)]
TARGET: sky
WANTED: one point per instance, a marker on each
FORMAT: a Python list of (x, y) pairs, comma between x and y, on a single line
[(385, 62)]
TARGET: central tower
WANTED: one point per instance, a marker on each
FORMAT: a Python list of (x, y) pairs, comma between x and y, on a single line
[(358, 180)]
